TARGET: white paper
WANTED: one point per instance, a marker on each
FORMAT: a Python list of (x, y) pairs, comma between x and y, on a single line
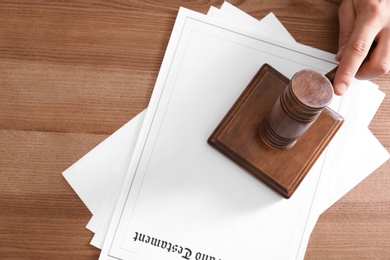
[(178, 176), (268, 25), (100, 221), (94, 173)]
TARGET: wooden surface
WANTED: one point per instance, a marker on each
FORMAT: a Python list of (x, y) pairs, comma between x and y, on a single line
[(72, 72)]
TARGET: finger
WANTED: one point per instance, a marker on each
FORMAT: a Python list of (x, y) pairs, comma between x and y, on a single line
[(378, 62), (355, 51), (346, 23)]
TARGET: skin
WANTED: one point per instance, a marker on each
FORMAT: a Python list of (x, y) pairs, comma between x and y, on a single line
[(362, 22)]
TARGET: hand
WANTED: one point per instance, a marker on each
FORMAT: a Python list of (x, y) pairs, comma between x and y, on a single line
[(361, 23)]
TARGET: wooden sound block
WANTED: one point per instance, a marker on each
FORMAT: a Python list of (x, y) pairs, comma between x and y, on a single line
[(237, 136)]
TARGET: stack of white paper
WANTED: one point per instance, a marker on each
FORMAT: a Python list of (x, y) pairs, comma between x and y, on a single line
[(157, 190)]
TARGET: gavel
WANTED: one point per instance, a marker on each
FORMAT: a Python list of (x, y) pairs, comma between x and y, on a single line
[(275, 113), (297, 107)]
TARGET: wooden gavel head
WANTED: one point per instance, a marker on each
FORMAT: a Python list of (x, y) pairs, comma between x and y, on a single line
[(296, 109)]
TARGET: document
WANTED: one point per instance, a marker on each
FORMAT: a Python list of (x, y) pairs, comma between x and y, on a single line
[(96, 166)]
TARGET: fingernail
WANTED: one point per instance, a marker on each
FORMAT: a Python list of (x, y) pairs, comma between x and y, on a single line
[(340, 89)]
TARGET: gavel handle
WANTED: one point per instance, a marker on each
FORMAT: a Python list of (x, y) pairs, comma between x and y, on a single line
[(330, 75)]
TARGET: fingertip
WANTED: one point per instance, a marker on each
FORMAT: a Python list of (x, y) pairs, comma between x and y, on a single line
[(340, 89)]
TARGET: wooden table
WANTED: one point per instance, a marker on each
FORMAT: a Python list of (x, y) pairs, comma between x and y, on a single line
[(72, 72)]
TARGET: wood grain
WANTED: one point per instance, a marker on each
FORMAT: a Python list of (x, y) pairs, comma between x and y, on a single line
[(72, 72)]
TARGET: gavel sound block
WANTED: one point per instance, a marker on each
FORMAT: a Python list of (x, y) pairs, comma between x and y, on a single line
[(277, 129)]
